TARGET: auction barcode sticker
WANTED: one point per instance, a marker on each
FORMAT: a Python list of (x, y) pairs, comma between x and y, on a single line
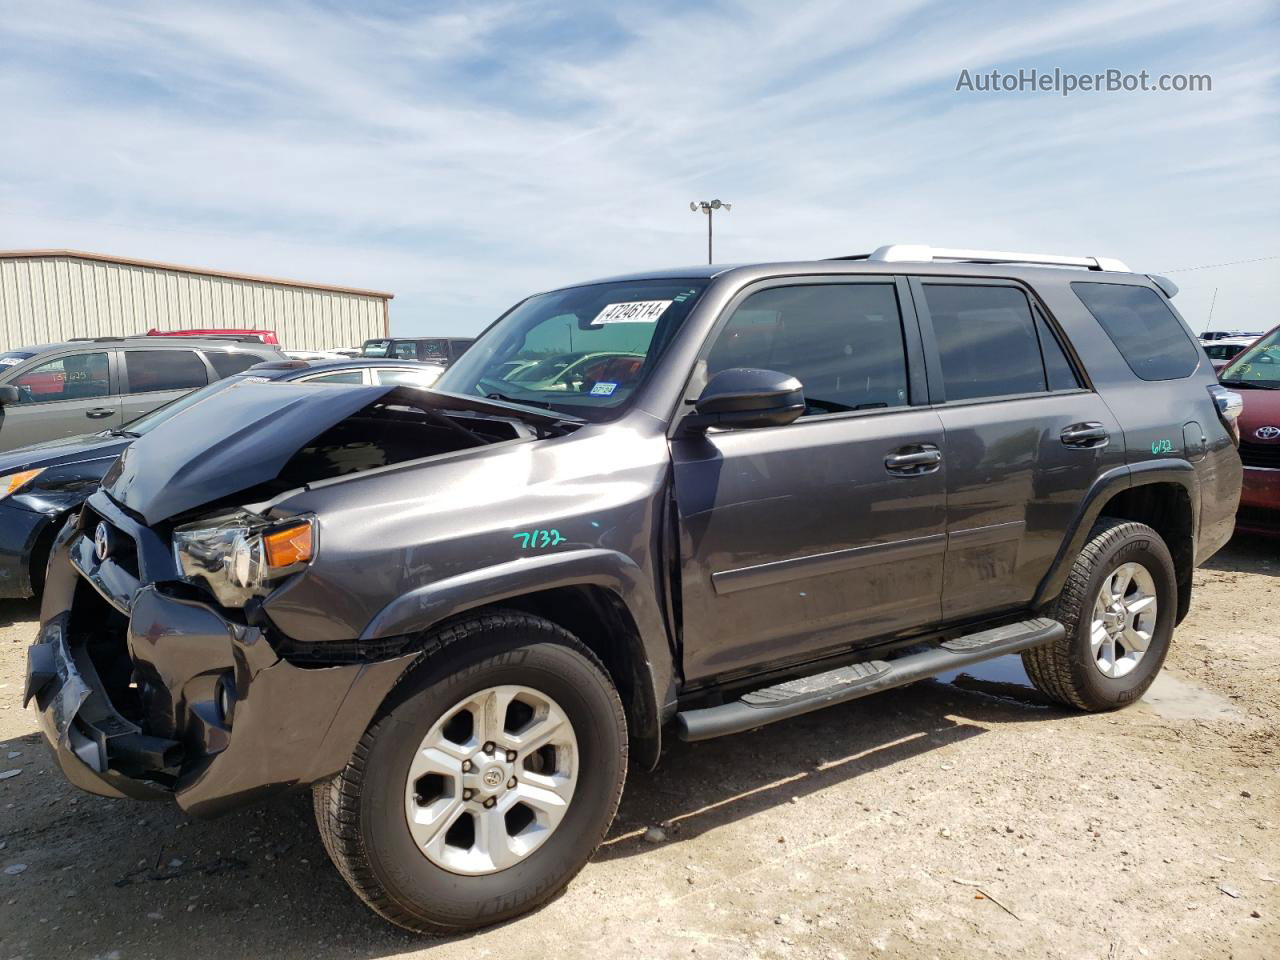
[(635, 311)]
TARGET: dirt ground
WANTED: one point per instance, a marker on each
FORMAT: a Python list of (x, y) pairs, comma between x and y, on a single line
[(954, 818)]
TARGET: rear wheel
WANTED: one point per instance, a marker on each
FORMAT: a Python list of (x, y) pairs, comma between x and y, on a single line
[(486, 783), (1118, 605)]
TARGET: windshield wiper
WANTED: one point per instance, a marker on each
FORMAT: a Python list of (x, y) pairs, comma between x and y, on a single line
[(1250, 384), (123, 433), (495, 395)]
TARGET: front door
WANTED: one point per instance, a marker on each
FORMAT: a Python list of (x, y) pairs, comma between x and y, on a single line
[(64, 396), (804, 539)]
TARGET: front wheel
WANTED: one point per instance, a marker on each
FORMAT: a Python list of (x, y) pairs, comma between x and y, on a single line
[(1118, 605), (486, 785)]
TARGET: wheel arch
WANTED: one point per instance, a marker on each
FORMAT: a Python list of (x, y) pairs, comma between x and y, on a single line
[(1163, 494), (598, 595)]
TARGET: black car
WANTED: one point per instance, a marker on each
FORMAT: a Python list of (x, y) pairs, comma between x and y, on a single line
[(457, 614), (41, 484)]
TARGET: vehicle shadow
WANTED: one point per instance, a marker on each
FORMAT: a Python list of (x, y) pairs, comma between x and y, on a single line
[(18, 611), (132, 876), (1248, 553)]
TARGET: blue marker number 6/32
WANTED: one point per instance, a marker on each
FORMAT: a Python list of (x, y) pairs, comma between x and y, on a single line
[(1161, 446)]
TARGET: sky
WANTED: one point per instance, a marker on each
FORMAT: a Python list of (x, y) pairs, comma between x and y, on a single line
[(463, 155)]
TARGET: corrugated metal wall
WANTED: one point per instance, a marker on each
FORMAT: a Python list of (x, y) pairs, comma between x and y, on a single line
[(46, 299)]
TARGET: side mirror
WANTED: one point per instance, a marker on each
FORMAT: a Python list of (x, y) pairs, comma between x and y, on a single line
[(9, 394), (743, 397)]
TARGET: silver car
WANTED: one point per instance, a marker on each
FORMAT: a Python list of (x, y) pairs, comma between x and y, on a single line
[(82, 386)]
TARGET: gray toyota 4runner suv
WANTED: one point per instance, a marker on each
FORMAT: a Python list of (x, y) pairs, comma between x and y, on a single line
[(457, 614)]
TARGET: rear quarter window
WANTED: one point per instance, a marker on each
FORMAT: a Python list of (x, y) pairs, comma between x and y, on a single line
[(1146, 332)]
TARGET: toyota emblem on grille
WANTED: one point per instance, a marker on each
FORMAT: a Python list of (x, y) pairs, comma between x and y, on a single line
[(1267, 433), (102, 542)]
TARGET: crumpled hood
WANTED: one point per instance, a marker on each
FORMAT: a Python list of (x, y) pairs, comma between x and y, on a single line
[(244, 436)]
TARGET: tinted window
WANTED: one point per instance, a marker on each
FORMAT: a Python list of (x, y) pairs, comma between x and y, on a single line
[(423, 376), (1057, 368), (1143, 328), (842, 341), (405, 350), (375, 348), (225, 364), (151, 370), (76, 377), (986, 339)]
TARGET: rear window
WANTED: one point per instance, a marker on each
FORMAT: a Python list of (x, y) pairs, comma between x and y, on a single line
[(226, 364), (375, 348), (1146, 332), (987, 341)]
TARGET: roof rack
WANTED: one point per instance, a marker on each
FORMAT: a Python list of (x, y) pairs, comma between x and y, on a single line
[(159, 341), (921, 253)]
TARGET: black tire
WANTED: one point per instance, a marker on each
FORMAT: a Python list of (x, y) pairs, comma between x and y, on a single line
[(1065, 670), (360, 813)]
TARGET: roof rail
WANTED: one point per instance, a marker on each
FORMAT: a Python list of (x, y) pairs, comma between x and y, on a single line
[(920, 253), (158, 341)]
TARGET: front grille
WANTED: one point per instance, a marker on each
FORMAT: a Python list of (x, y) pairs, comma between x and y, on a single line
[(124, 552), (1260, 454)]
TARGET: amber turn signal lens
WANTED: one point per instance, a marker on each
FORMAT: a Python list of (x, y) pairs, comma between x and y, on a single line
[(16, 481), (289, 546)]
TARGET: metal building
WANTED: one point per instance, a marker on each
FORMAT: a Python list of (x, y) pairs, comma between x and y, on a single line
[(48, 296)]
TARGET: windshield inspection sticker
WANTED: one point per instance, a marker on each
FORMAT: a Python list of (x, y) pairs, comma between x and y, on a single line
[(603, 389), (9, 361), (634, 311)]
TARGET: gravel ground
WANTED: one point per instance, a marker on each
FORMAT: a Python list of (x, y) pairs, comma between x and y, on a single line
[(954, 818)]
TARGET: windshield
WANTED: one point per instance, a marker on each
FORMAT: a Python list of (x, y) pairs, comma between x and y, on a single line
[(375, 348), (583, 350), (13, 357), (1259, 365)]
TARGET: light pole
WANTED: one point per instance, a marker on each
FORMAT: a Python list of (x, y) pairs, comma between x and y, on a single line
[(709, 207)]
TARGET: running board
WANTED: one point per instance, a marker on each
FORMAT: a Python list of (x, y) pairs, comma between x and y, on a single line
[(794, 697)]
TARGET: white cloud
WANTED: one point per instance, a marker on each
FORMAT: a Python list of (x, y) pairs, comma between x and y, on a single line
[(466, 156)]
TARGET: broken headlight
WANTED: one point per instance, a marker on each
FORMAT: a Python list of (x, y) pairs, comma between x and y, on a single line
[(240, 555)]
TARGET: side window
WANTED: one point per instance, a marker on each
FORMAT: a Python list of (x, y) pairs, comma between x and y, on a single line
[(986, 339), (226, 363), (1146, 332), (152, 370), (843, 342), (406, 350), (77, 377), (345, 376), (1057, 368), (424, 376)]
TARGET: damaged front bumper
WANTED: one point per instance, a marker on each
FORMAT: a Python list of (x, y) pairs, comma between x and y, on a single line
[(148, 695)]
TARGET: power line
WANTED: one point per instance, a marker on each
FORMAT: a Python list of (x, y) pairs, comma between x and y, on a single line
[(1211, 266)]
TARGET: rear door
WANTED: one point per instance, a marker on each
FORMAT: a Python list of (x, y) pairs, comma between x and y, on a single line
[(155, 376), (64, 395), (816, 536), (1025, 437)]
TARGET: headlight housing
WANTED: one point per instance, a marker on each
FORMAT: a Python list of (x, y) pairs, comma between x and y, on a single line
[(13, 482), (240, 555)]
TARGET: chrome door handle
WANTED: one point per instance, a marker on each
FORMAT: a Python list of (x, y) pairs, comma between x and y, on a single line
[(1086, 435), (914, 463)]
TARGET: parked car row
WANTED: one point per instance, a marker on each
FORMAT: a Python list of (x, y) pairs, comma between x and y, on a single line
[(685, 503)]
